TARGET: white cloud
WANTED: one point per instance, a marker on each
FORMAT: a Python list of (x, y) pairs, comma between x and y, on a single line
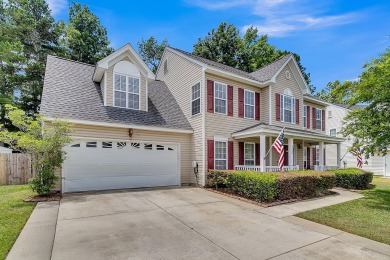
[(279, 18), (57, 6)]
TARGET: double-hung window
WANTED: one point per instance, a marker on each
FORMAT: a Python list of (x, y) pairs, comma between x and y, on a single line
[(333, 132), (220, 155), (318, 118), (249, 153), (195, 99), (287, 108), (317, 156), (249, 101), (304, 116), (220, 97), (126, 91)]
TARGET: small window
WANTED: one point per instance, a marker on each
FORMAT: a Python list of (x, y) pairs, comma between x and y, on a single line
[(249, 102), (135, 145), (249, 153), (318, 119), (333, 132), (329, 113), (107, 144), (160, 147), (76, 145), (195, 91), (148, 146), (121, 145), (220, 95), (304, 116), (220, 151), (91, 144)]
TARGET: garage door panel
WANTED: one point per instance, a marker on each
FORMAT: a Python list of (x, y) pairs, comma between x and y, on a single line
[(122, 165)]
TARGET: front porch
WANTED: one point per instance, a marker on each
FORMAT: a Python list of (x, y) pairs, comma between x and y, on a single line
[(303, 150)]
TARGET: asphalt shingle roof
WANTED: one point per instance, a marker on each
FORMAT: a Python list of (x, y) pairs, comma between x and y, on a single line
[(70, 92), (260, 75)]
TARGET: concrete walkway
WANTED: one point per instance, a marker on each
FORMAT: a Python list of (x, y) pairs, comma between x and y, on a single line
[(182, 223)]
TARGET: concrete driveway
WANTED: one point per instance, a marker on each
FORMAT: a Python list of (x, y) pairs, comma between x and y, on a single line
[(189, 223)]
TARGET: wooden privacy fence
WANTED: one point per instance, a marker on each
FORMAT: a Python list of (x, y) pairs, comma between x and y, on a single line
[(15, 168)]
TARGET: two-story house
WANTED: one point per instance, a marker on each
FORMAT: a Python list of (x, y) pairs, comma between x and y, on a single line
[(136, 129)]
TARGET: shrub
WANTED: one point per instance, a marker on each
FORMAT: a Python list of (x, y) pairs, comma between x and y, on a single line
[(43, 182), (217, 179), (353, 178)]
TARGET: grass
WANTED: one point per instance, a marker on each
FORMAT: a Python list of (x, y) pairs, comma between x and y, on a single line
[(13, 214), (367, 217)]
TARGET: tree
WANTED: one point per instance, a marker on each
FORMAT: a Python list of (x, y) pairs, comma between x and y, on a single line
[(151, 52), (370, 126), (248, 53), (44, 145), (85, 39), (337, 92)]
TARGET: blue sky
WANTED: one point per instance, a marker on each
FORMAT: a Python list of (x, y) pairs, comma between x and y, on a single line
[(334, 38)]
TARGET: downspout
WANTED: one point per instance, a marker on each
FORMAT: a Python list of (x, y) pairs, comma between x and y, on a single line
[(204, 126)]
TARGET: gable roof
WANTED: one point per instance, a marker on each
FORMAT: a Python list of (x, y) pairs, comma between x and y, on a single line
[(269, 71), (69, 92)]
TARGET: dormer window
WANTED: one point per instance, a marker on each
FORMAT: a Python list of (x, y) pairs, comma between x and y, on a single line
[(126, 91)]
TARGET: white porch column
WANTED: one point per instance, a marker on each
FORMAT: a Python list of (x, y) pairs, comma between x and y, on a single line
[(291, 152), (262, 152), (338, 155), (270, 152), (321, 154)]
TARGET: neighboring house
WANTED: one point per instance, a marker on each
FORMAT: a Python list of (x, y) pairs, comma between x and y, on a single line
[(335, 113), (134, 129)]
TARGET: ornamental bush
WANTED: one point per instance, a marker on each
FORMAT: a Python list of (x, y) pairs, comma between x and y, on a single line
[(353, 178)]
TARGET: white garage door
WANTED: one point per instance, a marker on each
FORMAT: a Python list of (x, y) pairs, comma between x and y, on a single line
[(104, 165)]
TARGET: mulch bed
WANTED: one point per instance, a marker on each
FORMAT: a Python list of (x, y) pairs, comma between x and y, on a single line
[(229, 194), (49, 197)]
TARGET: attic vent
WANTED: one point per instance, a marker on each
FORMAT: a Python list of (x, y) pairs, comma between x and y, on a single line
[(288, 74), (165, 66)]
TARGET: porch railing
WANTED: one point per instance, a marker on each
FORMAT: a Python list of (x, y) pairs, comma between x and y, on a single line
[(251, 168), (285, 168), (324, 167)]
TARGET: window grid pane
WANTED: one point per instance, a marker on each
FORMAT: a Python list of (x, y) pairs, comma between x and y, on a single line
[(220, 155), (249, 104), (249, 156), (287, 108), (195, 99), (220, 97)]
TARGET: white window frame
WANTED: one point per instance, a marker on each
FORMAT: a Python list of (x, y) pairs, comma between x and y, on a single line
[(304, 116), (192, 100), (226, 155), (254, 154), (320, 113), (127, 91), (215, 98), (335, 132), (317, 156), (329, 113), (245, 104), (282, 97)]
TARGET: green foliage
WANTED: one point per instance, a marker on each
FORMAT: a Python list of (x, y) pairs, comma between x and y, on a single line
[(370, 126), (44, 144), (248, 53), (151, 52), (337, 92), (353, 178), (85, 39), (272, 186)]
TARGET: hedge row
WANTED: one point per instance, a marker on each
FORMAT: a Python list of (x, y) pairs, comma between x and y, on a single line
[(353, 178), (267, 187)]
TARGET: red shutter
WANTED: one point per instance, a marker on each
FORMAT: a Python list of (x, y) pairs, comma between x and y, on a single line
[(314, 156), (314, 118), (307, 117), (230, 100), (308, 158), (230, 155), (257, 153), (297, 111), (257, 106), (241, 153), (277, 97), (241, 102), (210, 96), (323, 120), (210, 151)]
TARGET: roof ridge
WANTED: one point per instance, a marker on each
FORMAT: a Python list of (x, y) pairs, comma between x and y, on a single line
[(74, 61), (278, 59)]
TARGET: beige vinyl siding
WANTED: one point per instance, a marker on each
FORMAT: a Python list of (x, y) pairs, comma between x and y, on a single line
[(111, 133), (181, 76), (223, 125), (110, 86), (264, 105), (307, 103), (281, 84)]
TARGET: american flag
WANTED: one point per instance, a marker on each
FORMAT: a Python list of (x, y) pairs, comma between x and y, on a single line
[(279, 148), (359, 157)]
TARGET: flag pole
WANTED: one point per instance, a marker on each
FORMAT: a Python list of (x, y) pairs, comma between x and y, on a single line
[(273, 144)]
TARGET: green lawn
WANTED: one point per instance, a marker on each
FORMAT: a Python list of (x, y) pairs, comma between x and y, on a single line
[(13, 214), (367, 217)]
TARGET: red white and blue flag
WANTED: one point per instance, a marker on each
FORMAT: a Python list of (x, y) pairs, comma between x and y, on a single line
[(359, 157), (279, 148)]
